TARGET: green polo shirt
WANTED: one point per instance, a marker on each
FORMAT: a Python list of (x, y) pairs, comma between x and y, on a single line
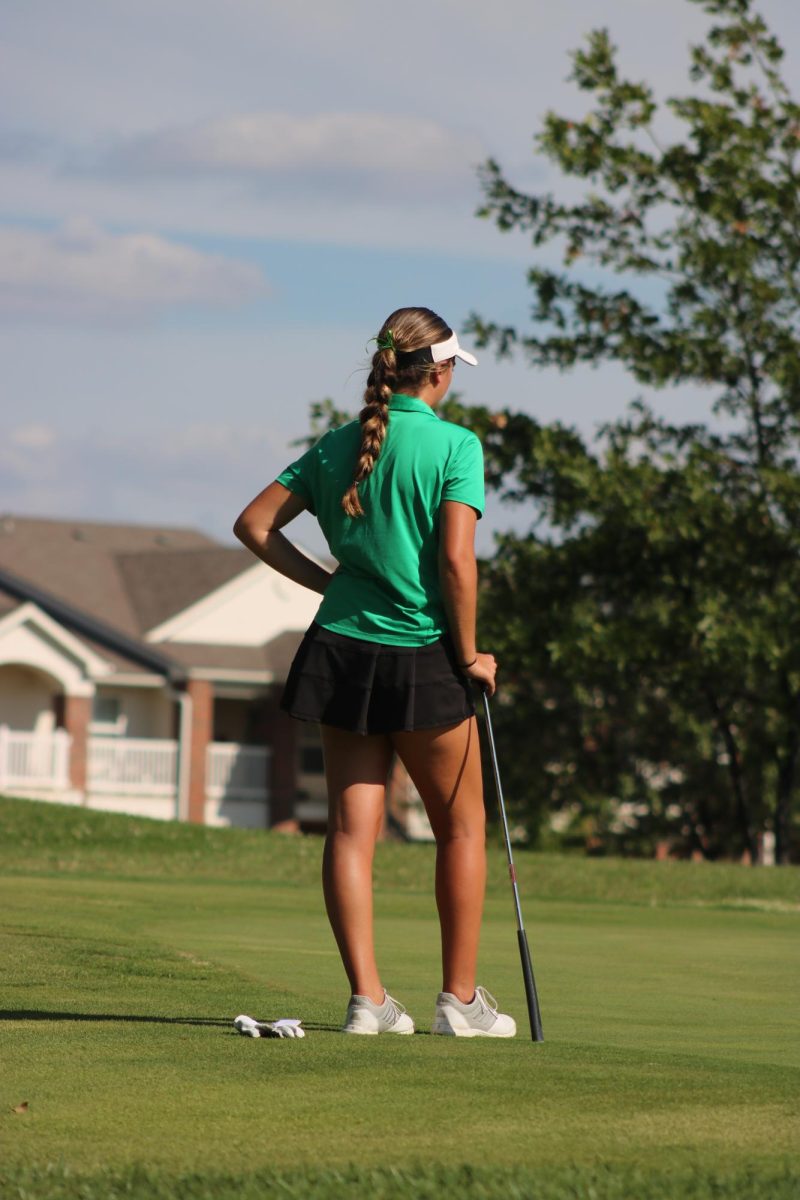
[(387, 586)]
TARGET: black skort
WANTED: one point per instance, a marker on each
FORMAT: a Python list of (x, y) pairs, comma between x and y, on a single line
[(370, 687)]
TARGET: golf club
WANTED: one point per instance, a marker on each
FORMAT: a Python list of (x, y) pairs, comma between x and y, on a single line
[(522, 937)]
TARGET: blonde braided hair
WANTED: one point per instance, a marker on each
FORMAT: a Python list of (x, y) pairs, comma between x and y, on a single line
[(405, 330)]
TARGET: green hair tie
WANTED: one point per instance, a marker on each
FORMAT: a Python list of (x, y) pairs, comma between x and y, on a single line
[(387, 342)]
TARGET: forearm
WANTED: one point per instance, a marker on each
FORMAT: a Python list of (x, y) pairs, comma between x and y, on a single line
[(274, 549), (459, 586)]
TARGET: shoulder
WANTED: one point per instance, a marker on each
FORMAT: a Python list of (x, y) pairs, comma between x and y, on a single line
[(343, 433), (459, 438), (338, 440)]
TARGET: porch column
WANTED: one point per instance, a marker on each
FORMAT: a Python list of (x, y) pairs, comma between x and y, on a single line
[(77, 715), (202, 732), (279, 735)]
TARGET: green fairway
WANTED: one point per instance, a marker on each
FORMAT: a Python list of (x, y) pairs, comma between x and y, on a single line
[(669, 999)]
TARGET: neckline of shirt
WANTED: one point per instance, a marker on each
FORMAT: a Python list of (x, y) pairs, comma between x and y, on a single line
[(400, 402)]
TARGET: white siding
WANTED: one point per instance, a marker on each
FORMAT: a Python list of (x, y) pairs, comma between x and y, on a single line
[(148, 712), (253, 609), (26, 698)]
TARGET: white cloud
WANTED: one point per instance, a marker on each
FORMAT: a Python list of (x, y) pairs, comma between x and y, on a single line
[(200, 474), (352, 147), (33, 437), (80, 271), (223, 207), (480, 76)]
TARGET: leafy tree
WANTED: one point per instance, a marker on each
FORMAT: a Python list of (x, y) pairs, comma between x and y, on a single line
[(623, 673), (651, 614)]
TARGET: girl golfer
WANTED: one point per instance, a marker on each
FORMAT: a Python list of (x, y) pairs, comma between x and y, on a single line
[(387, 665)]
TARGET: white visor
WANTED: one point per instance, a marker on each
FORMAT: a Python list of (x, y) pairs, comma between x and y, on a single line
[(441, 351)]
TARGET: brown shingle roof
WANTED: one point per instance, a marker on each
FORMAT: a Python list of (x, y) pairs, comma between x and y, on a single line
[(78, 562), (133, 577), (161, 583), (8, 603)]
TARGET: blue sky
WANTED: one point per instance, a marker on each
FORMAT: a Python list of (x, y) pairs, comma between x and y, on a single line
[(208, 206)]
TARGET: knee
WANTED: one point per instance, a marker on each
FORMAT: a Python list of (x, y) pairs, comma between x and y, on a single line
[(354, 841), (472, 832)]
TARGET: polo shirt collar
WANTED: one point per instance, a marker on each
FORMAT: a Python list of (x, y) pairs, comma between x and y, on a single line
[(402, 403)]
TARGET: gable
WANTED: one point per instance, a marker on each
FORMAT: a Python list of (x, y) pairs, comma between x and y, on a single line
[(255, 607), (161, 584), (29, 637)]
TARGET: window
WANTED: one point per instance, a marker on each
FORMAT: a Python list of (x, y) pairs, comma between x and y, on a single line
[(105, 710), (107, 716)]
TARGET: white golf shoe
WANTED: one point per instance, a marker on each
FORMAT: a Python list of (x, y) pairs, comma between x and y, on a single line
[(479, 1018), (363, 1016)]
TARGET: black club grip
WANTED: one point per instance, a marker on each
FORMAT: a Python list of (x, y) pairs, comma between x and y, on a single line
[(530, 987)]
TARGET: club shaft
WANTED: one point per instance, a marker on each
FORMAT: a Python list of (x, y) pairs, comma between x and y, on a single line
[(522, 937), (534, 1015), (507, 836)]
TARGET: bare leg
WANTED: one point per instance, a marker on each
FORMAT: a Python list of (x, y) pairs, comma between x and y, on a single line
[(355, 769), (445, 766)]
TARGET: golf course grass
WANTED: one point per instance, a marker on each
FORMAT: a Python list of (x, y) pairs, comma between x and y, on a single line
[(669, 993)]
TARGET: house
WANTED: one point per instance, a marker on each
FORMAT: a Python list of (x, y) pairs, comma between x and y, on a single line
[(140, 672)]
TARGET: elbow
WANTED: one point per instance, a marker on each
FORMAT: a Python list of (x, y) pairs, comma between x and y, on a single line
[(247, 530), (448, 567), (457, 571), (460, 562)]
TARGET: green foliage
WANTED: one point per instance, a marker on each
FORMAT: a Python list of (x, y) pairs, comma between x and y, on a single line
[(648, 625), (324, 415), (715, 218)]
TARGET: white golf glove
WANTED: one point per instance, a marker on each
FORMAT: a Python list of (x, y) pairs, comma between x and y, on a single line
[(286, 1027)]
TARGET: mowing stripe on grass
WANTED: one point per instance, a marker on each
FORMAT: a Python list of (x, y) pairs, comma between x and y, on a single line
[(672, 1066)]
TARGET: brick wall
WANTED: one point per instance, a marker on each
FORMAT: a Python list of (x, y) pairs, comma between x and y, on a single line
[(202, 732), (77, 713)]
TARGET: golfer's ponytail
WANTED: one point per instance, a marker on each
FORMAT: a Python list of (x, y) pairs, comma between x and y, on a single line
[(405, 330), (374, 417)]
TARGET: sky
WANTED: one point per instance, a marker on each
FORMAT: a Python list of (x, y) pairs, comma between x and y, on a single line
[(207, 208)]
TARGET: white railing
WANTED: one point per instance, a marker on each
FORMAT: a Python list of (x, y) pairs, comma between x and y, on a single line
[(39, 760), (236, 772), (129, 767), (132, 766)]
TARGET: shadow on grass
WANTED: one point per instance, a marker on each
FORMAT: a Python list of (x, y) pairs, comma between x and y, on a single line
[(31, 1014)]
